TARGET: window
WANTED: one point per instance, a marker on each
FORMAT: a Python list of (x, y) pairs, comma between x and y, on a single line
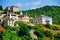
[(0, 20), (15, 18), (47, 21)]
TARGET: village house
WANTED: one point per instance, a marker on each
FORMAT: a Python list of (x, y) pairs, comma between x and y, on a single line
[(1, 11), (24, 18), (10, 19), (1, 18), (42, 19)]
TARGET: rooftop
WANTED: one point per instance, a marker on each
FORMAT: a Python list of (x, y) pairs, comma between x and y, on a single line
[(44, 16)]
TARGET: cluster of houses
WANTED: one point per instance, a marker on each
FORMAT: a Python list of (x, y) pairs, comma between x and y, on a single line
[(11, 17)]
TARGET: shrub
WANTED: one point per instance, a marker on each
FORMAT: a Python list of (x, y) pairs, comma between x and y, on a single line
[(48, 26), (52, 27), (39, 33), (55, 28), (57, 36), (48, 33), (23, 31), (37, 26)]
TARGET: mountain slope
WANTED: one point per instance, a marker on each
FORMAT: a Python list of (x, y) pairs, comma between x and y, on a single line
[(51, 11)]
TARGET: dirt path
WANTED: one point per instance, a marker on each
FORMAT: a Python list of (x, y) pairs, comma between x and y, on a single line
[(56, 25), (2, 29), (52, 31), (46, 38)]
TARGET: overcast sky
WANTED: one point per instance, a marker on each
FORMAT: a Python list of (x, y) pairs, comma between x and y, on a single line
[(29, 4)]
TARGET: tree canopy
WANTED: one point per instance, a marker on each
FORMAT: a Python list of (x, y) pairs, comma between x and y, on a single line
[(1, 8), (51, 11)]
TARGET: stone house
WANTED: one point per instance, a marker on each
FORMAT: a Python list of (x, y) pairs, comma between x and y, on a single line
[(42, 19), (10, 19), (13, 8), (24, 18)]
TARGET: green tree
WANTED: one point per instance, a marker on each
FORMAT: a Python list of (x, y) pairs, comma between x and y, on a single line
[(51, 11), (1, 8), (14, 37), (8, 35), (57, 36), (40, 34), (23, 31), (37, 26), (48, 33)]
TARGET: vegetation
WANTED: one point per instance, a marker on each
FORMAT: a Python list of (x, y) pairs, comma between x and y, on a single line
[(48, 33), (8, 35), (51, 11), (37, 26), (57, 36), (1, 8), (22, 32), (13, 28), (40, 34), (52, 27), (23, 29)]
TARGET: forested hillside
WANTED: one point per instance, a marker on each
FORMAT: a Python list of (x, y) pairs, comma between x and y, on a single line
[(51, 11), (41, 31)]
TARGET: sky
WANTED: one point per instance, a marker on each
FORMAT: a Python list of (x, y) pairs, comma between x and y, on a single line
[(29, 4)]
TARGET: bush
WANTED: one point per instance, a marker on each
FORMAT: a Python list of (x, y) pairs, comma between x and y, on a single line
[(55, 28), (48, 26), (39, 38), (57, 36), (39, 33), (29, 27), (52, 27), (23, 31), (37, 26), (48, 33)]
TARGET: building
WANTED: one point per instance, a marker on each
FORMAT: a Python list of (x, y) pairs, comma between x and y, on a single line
[(13, 8), (8, 7), (34, 36), (1, 18), (10, 19), (24, 18), (1, 11), (42, 19)]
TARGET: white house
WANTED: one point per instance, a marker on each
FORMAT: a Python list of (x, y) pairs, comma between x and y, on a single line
[(42, 19), (10, 19), (1, 11), (24, 18)]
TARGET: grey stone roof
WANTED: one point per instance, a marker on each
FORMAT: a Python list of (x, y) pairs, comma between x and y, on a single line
[(44, 16), (15, 6)]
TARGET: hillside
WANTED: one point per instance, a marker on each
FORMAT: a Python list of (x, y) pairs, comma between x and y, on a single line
[(51, 11), (52, 31), (37, 32)]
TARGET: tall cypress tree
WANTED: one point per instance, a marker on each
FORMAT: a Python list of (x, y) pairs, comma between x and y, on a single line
[(1, 8)]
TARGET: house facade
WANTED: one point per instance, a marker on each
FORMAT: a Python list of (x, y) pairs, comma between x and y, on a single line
[(10, 19), (42, 19), (24, 18)]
